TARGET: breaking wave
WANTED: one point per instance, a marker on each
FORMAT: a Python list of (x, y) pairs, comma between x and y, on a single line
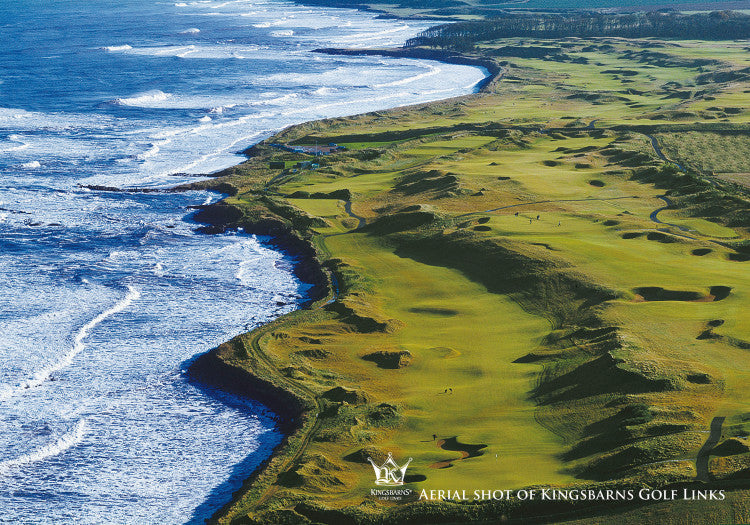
[(143, 99), (65, 442), (114, 49), (45, 373)]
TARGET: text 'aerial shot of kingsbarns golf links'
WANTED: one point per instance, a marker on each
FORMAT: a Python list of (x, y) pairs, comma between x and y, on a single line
[(334, 262)]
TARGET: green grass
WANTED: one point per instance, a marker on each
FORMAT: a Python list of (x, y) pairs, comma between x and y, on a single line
[(701, 226), (503, 261), (449, 352)]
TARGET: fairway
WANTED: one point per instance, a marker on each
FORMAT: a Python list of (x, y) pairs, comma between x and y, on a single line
[(441, 309)]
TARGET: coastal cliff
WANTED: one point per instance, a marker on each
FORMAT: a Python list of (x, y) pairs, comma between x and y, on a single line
[(220, 217)]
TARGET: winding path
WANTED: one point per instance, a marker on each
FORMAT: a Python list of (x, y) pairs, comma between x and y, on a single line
[(348, 209), (655, 218), (669, 204), (654, 214), (660, 153), (704, 454), (361, 221)]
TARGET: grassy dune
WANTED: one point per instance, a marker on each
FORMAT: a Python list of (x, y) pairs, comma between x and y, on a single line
[(518, 289)]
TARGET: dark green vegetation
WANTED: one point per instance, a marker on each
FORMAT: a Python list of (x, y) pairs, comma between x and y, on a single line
[(536, 285), (477, 9), (719, 25)]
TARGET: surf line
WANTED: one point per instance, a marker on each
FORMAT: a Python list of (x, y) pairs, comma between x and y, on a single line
[(65, 442), (66, 360)]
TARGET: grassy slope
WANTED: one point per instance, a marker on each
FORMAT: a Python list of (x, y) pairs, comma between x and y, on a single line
[(530, 313)]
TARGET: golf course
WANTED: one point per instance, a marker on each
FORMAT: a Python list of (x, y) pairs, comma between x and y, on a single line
[(544, 284)]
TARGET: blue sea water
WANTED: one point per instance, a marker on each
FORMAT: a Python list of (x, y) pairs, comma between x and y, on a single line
[(106, 296)]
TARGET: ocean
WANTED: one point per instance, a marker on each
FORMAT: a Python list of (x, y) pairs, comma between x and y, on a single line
[(107, 296)]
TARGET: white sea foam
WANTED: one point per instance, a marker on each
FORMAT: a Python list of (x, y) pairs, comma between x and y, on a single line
[(206, 159), (275, 101), (157, 447), (15, 148), (45, 373), (360, 37), (18, 144), (144, 99), (244, 271), (433, 70), (324, 91), (18, 147), (63, 443), (34, 164), (211, 51), (224, 4), (220, 109), (153, 150), (465, 88), (22, 121), (114, 49), (190, 31), (282, 32)]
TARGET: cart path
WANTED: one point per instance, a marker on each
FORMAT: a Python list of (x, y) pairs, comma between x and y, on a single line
[(704, 454)]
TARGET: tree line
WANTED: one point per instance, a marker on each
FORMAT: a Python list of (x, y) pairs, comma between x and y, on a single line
[(717, 25)]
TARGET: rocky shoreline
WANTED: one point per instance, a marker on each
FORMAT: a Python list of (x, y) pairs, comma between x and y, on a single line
[(216, 368), (220, 217)]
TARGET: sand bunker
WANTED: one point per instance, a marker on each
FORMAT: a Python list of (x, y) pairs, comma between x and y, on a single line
[(656, 293), (452, 444), (389, 359)]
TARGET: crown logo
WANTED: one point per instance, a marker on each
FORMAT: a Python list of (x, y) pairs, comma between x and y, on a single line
[(389, 473)]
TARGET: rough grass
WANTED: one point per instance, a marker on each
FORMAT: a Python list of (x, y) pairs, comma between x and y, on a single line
[(707, 152)]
